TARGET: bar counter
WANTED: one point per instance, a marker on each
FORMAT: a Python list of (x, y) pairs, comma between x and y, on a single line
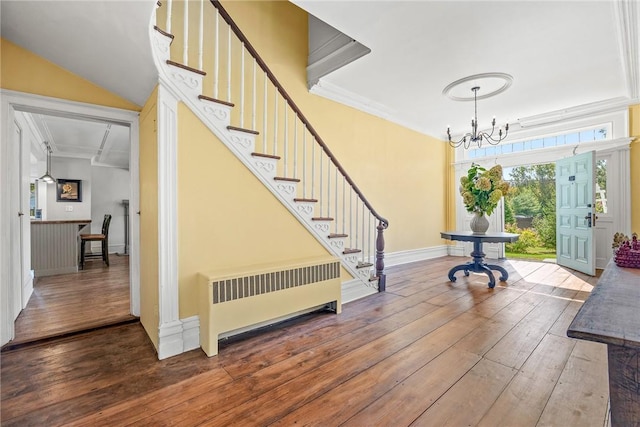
[(54, 246)]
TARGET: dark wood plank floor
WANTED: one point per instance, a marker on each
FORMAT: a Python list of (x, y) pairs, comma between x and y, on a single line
[(67, 303), (427, 352)]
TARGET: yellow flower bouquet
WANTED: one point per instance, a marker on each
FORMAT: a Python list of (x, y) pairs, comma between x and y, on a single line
[(482, 189)]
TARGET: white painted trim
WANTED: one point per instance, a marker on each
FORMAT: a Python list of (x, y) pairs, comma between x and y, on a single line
[(627, 14), (337, 52), (354, 289), (27, 289), (185, 85), (134, 217), (592, 112), (191, 333), (612, 113), (338, 94), (413, 255), (46, 105), (6, 311), (168, 294), (457, 250), (178, 336), (170, 339)]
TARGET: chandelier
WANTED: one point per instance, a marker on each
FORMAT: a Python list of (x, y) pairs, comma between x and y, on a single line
[(478, 137)]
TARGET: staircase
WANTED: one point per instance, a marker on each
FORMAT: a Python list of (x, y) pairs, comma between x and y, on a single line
[(240, 100)]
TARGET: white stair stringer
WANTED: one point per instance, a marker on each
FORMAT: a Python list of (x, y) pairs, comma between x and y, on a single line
[(186, 86)]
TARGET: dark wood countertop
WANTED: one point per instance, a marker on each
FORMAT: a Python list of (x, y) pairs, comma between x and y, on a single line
[(611, 314), (62, 221)]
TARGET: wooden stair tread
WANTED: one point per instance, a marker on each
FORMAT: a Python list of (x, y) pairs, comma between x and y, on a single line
[(268, 156), (321, 218), (186, 67), (253, 132), (282, 178), (297, 199), (364, 265), (163, 32), (348, 251), (217, 101), (337, 235)]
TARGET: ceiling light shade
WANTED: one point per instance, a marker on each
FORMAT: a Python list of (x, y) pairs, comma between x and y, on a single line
[(47, 176), (475, 136)]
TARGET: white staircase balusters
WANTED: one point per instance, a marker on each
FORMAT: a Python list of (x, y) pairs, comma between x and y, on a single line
[(325, 189), (168, 22), (254, 91), (201, 35), (185, 36), (264, 115), (229, 64), (216, 55)]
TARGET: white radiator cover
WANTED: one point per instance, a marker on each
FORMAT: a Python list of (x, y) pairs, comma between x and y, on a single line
[(238, 298)]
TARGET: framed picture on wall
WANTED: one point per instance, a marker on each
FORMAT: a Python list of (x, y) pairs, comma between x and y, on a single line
[(69, 190)]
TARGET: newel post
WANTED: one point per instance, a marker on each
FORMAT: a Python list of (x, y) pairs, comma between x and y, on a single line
[(382, 278)]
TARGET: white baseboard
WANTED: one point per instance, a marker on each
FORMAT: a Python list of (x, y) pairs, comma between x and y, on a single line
[(27, 289), (413, 255), (354, 289), (170, 339), (178, 337), (191, 333), (457, 250)]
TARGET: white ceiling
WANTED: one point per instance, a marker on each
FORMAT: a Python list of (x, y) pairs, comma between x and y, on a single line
[(561, 54), (104, 144), (103, 41)]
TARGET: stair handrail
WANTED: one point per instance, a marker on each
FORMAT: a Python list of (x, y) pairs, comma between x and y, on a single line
[(225, 15)]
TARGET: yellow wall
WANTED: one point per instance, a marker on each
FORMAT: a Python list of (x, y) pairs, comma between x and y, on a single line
[(226, 217), (402, 173), (634, 131), (23, 71), (149, 316)]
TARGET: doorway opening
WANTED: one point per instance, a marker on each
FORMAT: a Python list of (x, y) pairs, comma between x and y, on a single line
[(18, 296), (530, 211)]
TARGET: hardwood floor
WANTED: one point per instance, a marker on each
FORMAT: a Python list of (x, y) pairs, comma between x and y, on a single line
[(68, 303), (426, 352)]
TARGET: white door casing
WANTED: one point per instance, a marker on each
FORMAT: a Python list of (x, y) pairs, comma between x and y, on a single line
[(11, 101), (616, 150), (575, 210), (15, 200)]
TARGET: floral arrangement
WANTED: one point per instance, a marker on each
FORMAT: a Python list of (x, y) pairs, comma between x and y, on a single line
[(482, 189)]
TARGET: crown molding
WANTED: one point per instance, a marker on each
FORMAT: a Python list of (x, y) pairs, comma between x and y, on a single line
[(580, 111), (345, 97), (627, 13)]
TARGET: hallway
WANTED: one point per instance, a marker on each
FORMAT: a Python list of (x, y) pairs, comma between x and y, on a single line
[(68, 303)]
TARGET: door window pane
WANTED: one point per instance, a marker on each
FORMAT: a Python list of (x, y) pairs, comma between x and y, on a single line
[(601, 186)]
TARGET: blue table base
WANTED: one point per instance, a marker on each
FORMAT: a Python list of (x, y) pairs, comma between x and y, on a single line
[(479, 266)]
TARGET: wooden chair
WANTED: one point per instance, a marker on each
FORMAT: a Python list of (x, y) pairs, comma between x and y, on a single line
[(103, 238)]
